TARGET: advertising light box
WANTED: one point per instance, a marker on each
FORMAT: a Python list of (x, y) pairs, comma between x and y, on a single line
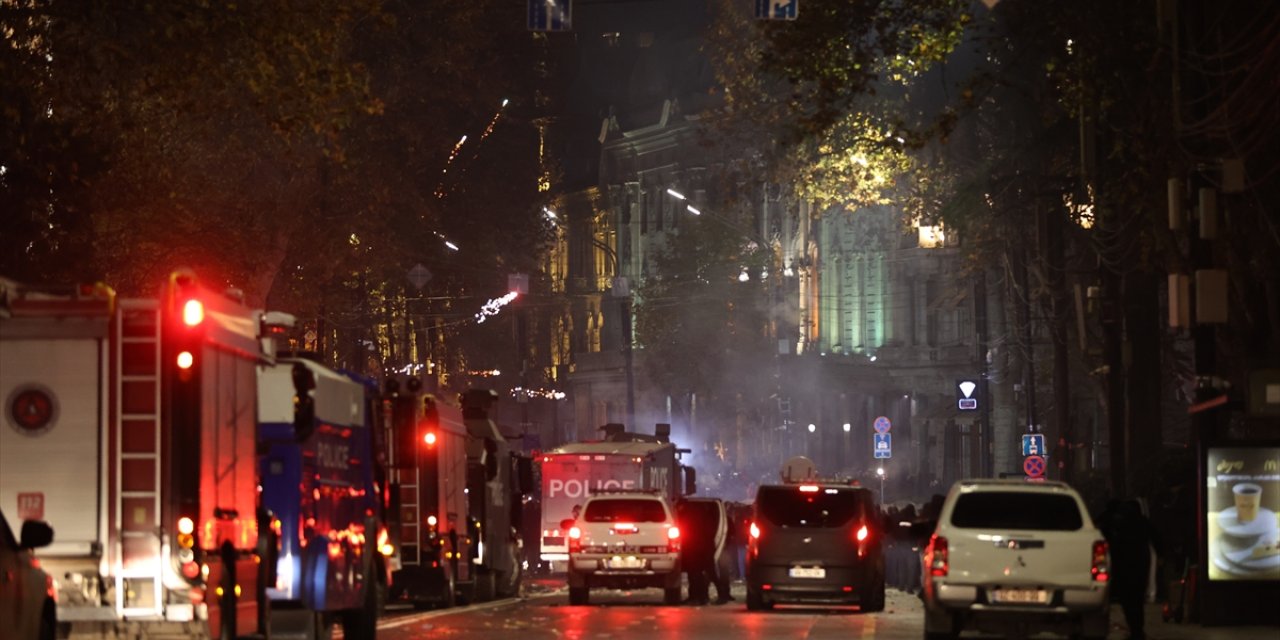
[(1243, 503)]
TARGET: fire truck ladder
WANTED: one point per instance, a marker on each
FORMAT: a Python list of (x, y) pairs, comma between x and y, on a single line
[(410, 526), (140, 556)]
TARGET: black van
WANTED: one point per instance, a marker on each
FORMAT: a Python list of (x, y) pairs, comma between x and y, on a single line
[(817, 543)]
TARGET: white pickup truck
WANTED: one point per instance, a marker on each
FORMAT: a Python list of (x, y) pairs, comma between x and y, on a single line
[(624, 540), (1009, 556)]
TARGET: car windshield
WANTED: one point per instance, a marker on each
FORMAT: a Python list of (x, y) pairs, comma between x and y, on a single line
[(625, 510), (1016, 510), (791, 507)]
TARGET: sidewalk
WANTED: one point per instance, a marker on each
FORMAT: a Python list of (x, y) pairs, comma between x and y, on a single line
[(1158, 629)]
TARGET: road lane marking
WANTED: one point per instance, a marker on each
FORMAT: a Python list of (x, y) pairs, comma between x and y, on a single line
[(427, 615), (869, 629)]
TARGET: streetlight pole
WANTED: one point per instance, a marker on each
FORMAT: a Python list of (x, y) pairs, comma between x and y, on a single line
[(880, 472), (621, 290)]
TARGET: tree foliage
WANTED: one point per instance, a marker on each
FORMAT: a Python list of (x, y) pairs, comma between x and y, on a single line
[(296, 150), (701, 324), (171, 133), (825, 102)]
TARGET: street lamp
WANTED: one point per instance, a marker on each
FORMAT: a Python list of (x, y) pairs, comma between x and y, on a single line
[(812, 427), (622, 291), (880, 472)]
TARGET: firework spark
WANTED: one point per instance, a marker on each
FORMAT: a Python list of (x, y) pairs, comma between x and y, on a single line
[(492, 307), (452, 155), (494, 122)]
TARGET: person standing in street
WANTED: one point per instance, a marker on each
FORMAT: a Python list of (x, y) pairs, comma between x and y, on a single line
[(1131, 537), (697, 552), (724, 555)]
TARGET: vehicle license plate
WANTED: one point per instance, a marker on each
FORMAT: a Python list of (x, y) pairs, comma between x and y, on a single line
[(808, 572), (629, 562), (1020, 596)]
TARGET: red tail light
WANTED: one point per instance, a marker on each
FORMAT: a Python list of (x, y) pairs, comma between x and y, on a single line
[(1100, 570), (862, 533), (673, 539), (755, 531), (935, 556), (575, 540)]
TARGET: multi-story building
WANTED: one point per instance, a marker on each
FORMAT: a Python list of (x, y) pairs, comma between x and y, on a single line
[(873, 317)]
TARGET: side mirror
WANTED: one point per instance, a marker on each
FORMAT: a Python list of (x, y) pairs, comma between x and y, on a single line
[(35, 533), (566, 523)]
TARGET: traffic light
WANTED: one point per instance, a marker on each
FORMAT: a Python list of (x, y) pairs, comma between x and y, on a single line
[(184, 326), (430, 440), (429, 426), (404, 431), (184, 329)]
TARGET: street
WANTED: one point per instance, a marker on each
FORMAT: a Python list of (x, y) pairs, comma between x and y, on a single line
[(619, 615), (640, 614)]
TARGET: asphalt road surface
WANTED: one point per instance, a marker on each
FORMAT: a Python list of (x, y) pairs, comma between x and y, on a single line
[(620, 615), (640, 615)]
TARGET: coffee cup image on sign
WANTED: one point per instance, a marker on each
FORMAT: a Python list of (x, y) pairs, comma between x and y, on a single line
[(1248, 498)]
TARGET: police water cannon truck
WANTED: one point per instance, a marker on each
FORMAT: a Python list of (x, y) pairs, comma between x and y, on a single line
[(323, 478), (620, 460)]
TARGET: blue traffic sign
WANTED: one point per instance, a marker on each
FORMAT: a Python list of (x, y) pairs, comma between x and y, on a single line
[(1034, 466), (882, 425), (777, 9), (550, 15), (1033, 444), (882, 445)]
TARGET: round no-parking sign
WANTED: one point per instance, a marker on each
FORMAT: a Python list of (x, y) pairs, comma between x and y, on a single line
[(1033, 466), (882, 425)]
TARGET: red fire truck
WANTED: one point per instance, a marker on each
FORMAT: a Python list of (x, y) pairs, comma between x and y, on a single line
[(457, 489), (131, 430)]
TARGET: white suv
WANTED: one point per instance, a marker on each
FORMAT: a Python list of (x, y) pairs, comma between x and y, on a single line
[(1009, 556), (624, 540)]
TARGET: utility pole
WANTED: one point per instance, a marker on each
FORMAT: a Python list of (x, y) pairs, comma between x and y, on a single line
[(625, 302), (1029, 356), (986, 432), (1055, 268)]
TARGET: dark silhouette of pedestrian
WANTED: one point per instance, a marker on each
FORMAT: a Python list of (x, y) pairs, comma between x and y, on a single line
[(697, 549), (725, 557), (1131, 537)]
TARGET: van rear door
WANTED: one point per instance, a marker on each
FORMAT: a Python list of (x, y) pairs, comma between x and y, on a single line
[(810, 524)]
